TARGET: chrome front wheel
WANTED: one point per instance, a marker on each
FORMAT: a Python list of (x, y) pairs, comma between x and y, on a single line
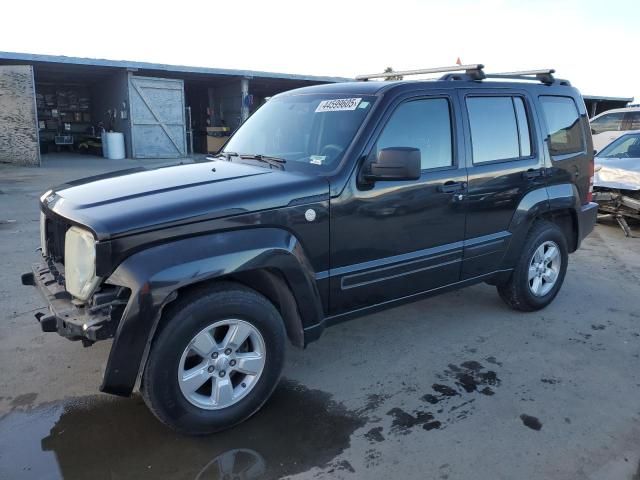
[(221, 364), (216, 359)]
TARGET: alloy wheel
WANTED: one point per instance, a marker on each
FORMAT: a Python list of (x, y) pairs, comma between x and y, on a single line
[(544, 268), (221, 364)]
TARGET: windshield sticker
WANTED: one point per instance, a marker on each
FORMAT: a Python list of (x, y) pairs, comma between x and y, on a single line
[(338, 105), (317, 159), (363, 105)]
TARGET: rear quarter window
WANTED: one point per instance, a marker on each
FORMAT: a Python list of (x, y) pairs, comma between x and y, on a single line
[(565, 131)]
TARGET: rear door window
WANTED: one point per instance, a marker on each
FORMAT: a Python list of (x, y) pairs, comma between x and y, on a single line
[(563, 123), (499, 128)]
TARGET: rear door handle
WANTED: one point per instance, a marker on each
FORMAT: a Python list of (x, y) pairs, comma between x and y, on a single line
[(532, 174), (452, 187)]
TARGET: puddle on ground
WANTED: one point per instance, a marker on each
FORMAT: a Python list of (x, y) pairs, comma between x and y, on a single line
[(102, 437)]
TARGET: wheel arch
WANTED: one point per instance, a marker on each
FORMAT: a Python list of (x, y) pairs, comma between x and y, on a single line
[(270, 283), (557, 204), (269, 260), (566, 220)]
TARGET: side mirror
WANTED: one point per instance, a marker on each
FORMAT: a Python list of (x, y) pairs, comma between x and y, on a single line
[(395, 163)]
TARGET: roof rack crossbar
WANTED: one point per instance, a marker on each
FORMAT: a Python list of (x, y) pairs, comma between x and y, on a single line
[(543, 75), (472, 70), (529, 72)]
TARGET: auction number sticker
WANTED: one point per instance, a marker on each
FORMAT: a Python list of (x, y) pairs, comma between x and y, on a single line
[(338, 105)]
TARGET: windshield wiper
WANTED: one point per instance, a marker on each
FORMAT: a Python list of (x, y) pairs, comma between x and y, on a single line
[(226, 155), (273, 161)]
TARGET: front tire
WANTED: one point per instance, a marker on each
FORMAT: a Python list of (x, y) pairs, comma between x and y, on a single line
[(216, 360), (540, 271)]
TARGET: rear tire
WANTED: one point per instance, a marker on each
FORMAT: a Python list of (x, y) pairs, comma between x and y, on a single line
[(216, 360), (540, 270)]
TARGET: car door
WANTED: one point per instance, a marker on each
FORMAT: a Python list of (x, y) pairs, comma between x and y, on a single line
[(394, 239), (505, 164)]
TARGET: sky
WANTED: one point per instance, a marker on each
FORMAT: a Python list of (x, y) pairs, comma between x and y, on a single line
[(591, 43)]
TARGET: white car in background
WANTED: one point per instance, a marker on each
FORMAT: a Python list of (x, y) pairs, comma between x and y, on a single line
[(616, 183), (609, 125)]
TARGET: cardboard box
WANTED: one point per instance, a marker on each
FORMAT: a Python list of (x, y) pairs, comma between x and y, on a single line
[(218, 131), (214, 144)]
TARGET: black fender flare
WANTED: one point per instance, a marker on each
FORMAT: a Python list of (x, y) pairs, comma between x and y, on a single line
[(155, 275), (535, 204)]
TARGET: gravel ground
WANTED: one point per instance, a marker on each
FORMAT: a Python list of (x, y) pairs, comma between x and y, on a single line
[(453, 387)]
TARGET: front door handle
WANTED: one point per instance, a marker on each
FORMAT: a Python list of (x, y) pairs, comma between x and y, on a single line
[(452, 187)]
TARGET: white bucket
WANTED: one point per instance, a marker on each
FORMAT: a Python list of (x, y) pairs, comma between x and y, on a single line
[(113, 145)]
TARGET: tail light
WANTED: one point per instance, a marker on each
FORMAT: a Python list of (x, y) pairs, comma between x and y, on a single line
[(591, 175)]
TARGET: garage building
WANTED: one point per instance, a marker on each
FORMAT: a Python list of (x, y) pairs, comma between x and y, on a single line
[(52, 103), (596, 104)]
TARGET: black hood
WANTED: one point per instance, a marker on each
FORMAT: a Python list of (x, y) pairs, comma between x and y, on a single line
[(137, 200)]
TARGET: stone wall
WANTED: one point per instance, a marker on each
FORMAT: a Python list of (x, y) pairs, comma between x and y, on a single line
[(18, 120)]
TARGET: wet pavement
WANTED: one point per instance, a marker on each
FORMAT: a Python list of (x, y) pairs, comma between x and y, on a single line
[(105, 437), (453, 387), (299, 429)]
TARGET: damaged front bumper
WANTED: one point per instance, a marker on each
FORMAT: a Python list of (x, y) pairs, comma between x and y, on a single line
[(86, 322), (622, 204)]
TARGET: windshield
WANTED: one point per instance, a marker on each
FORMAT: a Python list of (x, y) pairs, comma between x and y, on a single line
[(627, 146), (310, 132)]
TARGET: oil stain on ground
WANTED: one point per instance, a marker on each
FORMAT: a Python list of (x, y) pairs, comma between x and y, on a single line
[(532, 422), (374, 435), (469, 376), (102, 437), (464, 381), (403, 421)]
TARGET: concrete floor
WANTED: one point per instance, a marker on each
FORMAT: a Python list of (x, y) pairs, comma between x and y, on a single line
[(453, 387)]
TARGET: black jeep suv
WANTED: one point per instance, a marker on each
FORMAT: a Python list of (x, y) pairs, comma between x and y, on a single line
[(329, 202)]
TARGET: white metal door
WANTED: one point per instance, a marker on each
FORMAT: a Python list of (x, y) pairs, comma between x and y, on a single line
[(157, 117)]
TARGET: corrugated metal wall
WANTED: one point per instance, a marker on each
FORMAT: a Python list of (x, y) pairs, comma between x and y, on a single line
[(19, 142)]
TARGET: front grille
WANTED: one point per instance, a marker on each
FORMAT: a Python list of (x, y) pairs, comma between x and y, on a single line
[(55, 233)]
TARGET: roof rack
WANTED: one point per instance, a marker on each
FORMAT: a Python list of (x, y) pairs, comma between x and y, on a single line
[(544, 75), (473, 71)]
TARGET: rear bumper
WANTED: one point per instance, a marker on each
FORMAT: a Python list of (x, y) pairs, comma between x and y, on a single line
[(587, 215), (68, 320)]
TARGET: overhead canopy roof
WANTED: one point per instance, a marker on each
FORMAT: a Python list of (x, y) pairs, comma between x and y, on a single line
[(597, 104), (607, 99), (50, 64)]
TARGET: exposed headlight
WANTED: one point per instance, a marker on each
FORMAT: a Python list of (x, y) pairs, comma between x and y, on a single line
[(80, 263)]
